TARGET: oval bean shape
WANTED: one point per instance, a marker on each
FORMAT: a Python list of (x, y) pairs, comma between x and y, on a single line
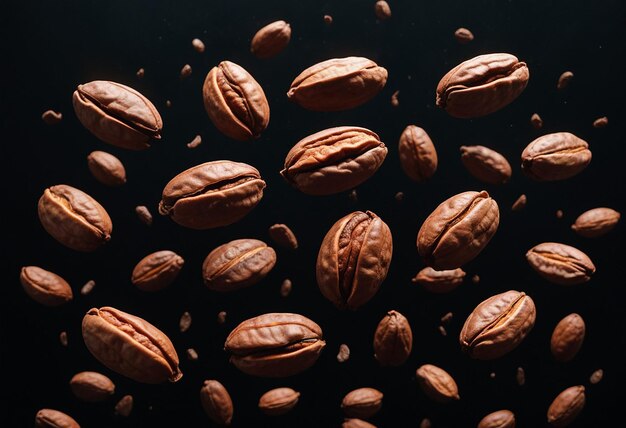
[(393, 339), (566, 406), (362, 403), (50, 418), (482, 85), (157, 270), (567, 338), (437, 383), (458, 230), (92, 387), (499, 419), (439, 281), (106, 168), (555, 156), (486, 164), (216, 402), (334, 160), (561, 264), (45, 287), (418, 156), (498, 325), (596, 222), (278, 401), (130, 346), (271, 40)]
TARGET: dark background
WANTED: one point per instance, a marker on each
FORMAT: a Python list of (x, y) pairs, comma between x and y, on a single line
[(51, 47)]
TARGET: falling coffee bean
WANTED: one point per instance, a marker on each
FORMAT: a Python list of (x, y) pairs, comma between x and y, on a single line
[(88, 287), (344, 353), (51, 117), (125, 406), (185, 322)]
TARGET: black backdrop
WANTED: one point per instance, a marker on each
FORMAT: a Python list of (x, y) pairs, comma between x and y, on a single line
[(51, 47)]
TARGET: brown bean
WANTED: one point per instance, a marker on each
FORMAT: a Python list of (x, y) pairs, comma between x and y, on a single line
[(564, 80), (51, 117), (338, 84), (140, 73), (235, 102), (520, 376), (519, 203), (186, 71), (237, 264), (212, 194), (458, 230), (353, 259), (275, 345), (92, 387), (439, 281), (362, 403), (130, 346), (283, 236), (596, 376), (106, 168), (216, 402), (278, 401), (185, 322), (566, 406), (482, 85), (344, 353), (499, 419), (285, 288), (567, 338), (418, 157), (395, 102), (334, 160), (117, 114), (555, 156), (88, 287), (536, 121), (157, 270), (601, 122), (356, 423), (486, 164), (124, 407), (463, 35), (197, 140), (382, 10), (74, 218), (596, 222), (45, 287), (560, 263), (198, 45), (144, 214), (393, 339), (271, 40), (49, 418), (437, 384), (498, 325)]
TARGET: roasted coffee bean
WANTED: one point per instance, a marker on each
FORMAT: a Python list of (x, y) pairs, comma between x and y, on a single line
[(283, 236), (556, 156), (596, 376), (74, 218), (353, 259), (140, 73), (334, 160), (157, 270), (144, 214), (271, 40), (63, 338), (482, 85), (88, 287), (328, 20), (92, 387), (198, 45), (124, 407), (235, 102), (212, 194), (560, 263), (498, 325), (49, 418), (275, 345), (221, 317), (344, 353), (536, 121), (447, 317), (51, 117), (382, 10), (601, 122), (499, 419), (399, 197), (567, 338), (168, 103), (186, 71), (559, 214), (130, 346), (362, 403), (486, 165), (393, 340), (285, 288), (564, 80), (463, 35), (566, 406), (117, 114), (418, 156), (106, 168), (192, 355), (216, 402), (596, 222), (356, 423), (519, 203), (237, 264), (458, 230), (439, 281), (520, 376), (395, 102), (442, 330), (197, 140), (338, 84), (185, 322), (278, 401), (437, 383), (475, 279), (45, 287)]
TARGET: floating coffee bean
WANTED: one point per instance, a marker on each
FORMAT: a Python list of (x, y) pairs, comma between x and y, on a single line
[(556, 156), (144, 214), (382, 10), (45, 287), (271, 40), (275, 345), (130, 346), (601, 122), (564, 80), (567, 338), (51, 117), (482, 85), (237, 264), (566, 406), (437, 383), (353, 259), (393, 340), (498, 325), (198, 45), (283, 236), (560, 263), (338, 84), (499, 419), (362, 403), (596, 222), (485, 164), (418, 156), (216, 402), (463, 35), (519, 203), (278, 401), (124, 407), (212, 194), (344, 353), (157, 270), (49, 418), (439, 281), (117, 114), (92, 387), (536, 121)]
